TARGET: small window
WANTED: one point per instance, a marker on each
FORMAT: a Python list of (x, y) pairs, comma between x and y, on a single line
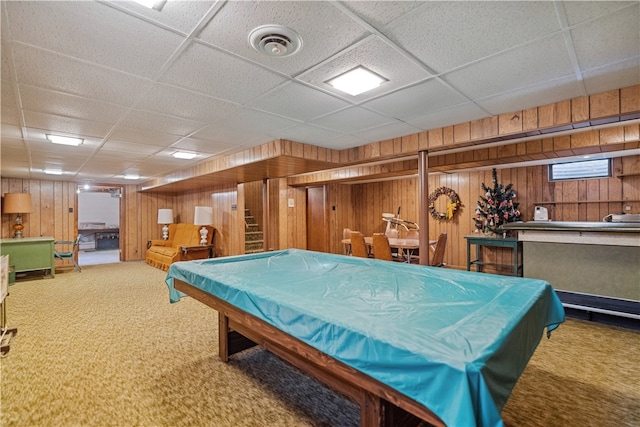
[(600, 168)]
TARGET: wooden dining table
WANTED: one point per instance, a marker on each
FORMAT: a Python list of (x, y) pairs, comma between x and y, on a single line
[(405, 247)]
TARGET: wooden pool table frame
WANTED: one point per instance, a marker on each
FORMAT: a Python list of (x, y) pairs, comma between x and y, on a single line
[(380, 404)]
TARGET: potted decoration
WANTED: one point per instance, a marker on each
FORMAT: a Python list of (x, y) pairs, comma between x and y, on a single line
[(496, 207)]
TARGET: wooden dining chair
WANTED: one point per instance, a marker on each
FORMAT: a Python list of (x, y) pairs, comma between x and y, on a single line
[(358, 246), (381, 248), (438, 255)]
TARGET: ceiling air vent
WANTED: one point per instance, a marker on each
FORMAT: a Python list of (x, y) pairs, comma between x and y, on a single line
[(275, 40)]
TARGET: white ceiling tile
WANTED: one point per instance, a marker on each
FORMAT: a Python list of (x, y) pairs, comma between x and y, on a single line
[(93, 32), (180, 15), (141, 136), (8, 94), (246, 126), (113, 148), (40, 68), (378, 57), (145, 120), (63, 104), (68, 159), (445, 35), (218, 74), (420, 99), (351, 120), (532, 96), (6, 62), (11, 131), (381, 13), (309, 134), (298, 102), (323, 28), (10, 116), (448, 117), (606, 78), (179, 102), (12, 141), (608, 39), (388, 131), (580, 11), (15, 168), (153, 166), (13, 152), (202, 146), (67, 125), (66, 60), (514, 69), (344, 141)]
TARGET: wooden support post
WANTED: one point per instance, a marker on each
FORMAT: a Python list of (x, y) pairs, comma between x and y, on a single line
[(423, 208)]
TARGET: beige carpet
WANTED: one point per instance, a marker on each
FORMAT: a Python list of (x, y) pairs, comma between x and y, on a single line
[(105, 348)]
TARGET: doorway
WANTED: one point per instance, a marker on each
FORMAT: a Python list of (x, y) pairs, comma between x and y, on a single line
[(317, 224), (99, 225)]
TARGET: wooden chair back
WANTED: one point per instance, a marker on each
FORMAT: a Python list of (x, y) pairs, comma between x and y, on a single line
[(358, 246), (438, 255), (381, 248)]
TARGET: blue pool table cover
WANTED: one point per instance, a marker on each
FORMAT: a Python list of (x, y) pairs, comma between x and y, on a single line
[(454, 341)]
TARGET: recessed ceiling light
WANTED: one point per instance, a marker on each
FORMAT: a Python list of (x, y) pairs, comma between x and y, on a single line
[(184, 155), (65, 140), (131, 176), (53, 171), (357, 81), (152, 4)]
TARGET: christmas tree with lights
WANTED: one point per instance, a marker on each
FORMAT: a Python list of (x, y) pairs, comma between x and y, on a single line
[(496, 207)]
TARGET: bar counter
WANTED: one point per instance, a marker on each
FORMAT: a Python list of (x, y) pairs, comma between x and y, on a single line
[(594, 266)]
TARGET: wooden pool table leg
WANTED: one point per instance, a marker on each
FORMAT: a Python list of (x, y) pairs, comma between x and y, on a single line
[(230, 342)]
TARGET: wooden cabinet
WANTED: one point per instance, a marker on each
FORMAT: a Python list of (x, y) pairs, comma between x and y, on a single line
[(30, 254)]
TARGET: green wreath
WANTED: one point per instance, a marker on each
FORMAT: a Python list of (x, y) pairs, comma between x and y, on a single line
[(452, 204)]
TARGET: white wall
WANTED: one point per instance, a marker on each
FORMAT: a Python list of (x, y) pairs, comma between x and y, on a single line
[(98, 207)]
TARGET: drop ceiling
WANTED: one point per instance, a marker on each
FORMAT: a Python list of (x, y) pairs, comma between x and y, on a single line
[(139, 84)]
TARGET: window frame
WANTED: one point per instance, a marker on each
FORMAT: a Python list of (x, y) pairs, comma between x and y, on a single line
[(609, 173)]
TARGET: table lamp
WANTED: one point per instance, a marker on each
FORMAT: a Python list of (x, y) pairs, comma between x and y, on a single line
[(203, 216), (165, 217), (17, 203)]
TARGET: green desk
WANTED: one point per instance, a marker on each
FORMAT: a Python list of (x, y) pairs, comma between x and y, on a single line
[(507, 242), (30, 253)]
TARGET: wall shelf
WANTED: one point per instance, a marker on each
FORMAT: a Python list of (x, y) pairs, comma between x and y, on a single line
[(587, 201)]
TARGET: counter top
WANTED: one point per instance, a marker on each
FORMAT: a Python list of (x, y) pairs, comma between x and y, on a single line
[(611, 227)]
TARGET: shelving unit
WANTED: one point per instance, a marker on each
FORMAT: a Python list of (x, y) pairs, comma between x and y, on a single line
[(586, 201)]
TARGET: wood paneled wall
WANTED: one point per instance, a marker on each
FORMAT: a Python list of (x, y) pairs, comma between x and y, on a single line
[(287, 225), (54, 210), (140, 218), (578, 200)]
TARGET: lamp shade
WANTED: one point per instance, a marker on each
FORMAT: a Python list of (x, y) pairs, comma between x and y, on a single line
[(165, 216), (18, 203), (204, 215)]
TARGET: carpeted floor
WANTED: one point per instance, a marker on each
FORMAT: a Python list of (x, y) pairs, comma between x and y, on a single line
[(105, 348)]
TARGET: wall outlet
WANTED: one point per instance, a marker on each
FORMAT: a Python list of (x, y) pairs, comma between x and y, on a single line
[(290, 203), (627, 208)]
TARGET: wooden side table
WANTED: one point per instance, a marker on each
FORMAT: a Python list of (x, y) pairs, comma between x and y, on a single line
[(506, 242)]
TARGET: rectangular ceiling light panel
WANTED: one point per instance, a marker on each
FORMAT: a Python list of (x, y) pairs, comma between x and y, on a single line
[(357, 81)]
